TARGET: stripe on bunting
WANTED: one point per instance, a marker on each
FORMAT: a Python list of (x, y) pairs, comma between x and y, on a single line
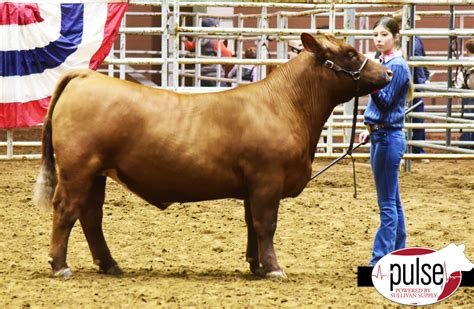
[(19, 13)]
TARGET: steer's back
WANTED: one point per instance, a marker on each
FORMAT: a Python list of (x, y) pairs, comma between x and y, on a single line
[(162, 145)]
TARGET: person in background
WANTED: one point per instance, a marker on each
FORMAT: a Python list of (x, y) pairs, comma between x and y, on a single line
[(209, 47), (295, 47), (465, 80), (249, 71), (421, 75), (384, 118)]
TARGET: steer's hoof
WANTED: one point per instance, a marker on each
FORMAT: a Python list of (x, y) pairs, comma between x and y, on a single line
[(276, 274), (259, 272), (255, 267), (115, 270), (63, 273)]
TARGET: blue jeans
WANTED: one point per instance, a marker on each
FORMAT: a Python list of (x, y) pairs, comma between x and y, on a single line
[(386, 151)]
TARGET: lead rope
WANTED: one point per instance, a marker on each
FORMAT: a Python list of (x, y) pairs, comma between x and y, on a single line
[(353, 131), (409, 110), (354, 175), (351, 148)]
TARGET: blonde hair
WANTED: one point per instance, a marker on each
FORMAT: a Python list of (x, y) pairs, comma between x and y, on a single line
[(411, 90)]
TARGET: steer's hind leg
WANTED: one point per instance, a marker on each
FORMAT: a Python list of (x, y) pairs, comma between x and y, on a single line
[(91, 221), (67, 201), (252, 244), (264, 203)]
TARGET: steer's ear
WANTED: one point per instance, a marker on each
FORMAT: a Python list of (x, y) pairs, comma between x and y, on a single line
[(313, 45)]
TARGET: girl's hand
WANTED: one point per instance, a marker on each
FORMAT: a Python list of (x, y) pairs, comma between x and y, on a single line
[(364, 137)]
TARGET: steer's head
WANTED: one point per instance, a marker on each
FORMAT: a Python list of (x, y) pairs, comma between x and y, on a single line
[(345, 69)]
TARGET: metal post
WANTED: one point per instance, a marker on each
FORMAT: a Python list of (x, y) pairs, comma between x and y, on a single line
[(361, 42), (10, 144), (259, 48), (461, 25), (240, 47), (410, 15), (181, 47), (312, 21), (329, 137), (349, 23), (262, 44), (123, 49), (332, 17), (281, 50), (367, 26), (197, 54), (285, 25), (219, 67), (175, 43), (404, 39), (164, 43), (111, 66), (451, 41)]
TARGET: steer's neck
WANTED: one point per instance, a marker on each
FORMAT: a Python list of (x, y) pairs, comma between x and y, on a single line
[(305, 88)]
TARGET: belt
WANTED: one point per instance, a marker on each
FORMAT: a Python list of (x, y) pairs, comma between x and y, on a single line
[(377, 126)]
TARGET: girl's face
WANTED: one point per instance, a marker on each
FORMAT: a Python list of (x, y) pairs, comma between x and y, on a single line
[(383, 39)]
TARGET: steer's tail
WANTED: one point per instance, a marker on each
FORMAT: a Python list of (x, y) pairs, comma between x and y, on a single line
[(47, 178)]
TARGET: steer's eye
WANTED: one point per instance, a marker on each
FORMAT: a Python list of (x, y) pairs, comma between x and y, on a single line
[(352, 55)]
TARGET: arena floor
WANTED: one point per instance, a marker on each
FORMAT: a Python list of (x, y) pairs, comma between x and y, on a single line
[(194, 254)]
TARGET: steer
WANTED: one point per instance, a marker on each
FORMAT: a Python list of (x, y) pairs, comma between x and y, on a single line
[(255, 142)]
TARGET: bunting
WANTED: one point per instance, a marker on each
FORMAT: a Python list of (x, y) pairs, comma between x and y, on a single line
[(41, 41)]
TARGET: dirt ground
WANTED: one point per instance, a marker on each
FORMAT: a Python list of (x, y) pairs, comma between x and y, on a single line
[(194, 254)]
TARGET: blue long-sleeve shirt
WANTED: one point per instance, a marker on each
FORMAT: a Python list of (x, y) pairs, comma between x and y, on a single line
[(387, 106)]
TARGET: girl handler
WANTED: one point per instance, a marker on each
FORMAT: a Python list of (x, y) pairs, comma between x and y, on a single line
[(384, 118)]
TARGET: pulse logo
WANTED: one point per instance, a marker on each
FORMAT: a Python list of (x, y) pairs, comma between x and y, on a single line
[(420, 276)]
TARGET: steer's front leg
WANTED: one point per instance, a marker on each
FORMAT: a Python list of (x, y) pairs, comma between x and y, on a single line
[(264, 208), (252, 243)]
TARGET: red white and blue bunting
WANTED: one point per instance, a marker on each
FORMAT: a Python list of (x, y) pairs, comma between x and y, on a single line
[(40, 41)]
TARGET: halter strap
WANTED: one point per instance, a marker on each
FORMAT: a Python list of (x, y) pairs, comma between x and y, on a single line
[(354, 74)]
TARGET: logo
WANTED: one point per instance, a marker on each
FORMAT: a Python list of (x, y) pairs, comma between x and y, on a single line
[(420, 276)]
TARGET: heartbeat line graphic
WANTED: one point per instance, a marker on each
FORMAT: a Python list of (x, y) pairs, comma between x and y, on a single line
[(379, 273), (451, 276)]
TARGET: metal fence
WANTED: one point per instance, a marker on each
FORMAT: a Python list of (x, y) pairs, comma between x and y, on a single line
[(173, 64)]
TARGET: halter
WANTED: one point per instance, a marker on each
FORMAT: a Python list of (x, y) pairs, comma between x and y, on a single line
[(356, 77), (355, 74)]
